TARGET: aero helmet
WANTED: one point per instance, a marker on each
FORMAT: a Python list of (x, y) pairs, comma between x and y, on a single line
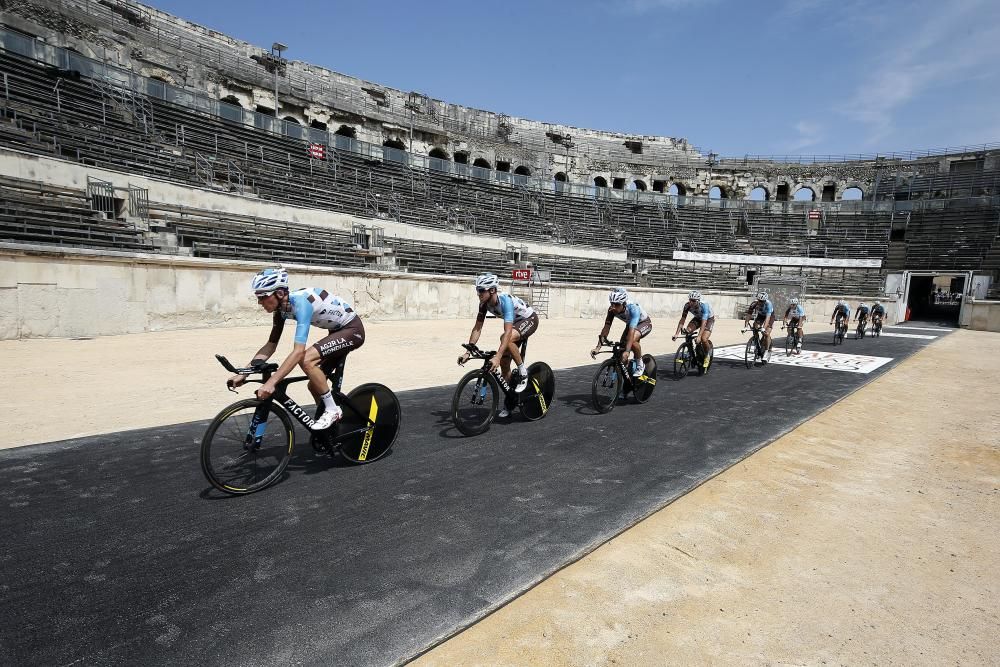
[(487, 281), (618, 295), (268, 281), (694, 295)]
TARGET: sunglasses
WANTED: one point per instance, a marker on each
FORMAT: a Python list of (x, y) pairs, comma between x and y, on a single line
[(263, 295), (480, 290)]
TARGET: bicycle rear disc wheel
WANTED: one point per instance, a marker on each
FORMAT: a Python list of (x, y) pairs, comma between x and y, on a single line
[(536, 399), (682, 362), (606, 387), (378, 410), (239, 457), (645, 383), (702, 367), (475, 402)]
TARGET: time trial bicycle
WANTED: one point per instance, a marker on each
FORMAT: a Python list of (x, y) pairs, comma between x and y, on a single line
[(477, 397), (755, 356), (793, 340), (859, 332), (691, 356), (839, 330), (614, 379), (248, 445)]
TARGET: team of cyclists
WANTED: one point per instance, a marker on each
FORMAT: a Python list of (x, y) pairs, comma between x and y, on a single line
[(313, 306)]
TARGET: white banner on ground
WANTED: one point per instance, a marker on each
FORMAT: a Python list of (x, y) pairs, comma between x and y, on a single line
[(723, 258), (894, 326), (904, 335), (831, 361)]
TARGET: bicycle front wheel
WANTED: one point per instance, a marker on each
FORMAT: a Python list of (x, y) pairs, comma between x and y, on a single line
[(370, 428), (750, 356), (536, 399), (475, 402), (682, 362), (247, 446), (789, 344), (645, 383), (606, 387)]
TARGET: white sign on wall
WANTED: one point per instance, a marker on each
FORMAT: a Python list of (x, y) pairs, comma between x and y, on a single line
[(831, 361), (775, 260)]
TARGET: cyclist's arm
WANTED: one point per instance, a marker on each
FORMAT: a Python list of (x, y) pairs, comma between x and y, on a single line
[(266, 350), (477, 329), (607, 327), (680, 322)]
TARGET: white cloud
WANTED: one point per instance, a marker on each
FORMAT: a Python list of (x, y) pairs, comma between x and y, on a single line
[(810, 133), (949, 47)]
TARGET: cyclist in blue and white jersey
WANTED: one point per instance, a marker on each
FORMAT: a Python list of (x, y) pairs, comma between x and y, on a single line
[(519, 322), (637, 326), (862, 314), (310, 306), (795, 316), (878, 312), (703, 319), (762, 310), (841, 312)]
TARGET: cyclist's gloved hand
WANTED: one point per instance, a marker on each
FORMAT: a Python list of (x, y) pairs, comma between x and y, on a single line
[(464, 358), (593, 353), (236, 381), (265, 390)]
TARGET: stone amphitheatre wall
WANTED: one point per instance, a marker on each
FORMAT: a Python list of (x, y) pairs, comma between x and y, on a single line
[(50, 293), (180, 53)]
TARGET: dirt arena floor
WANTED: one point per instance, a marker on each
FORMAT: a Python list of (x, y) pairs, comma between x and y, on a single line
[(868, 535)]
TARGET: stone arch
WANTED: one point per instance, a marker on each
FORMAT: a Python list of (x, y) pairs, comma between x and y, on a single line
[(232, 99), (759, 193), (561, 176), (522, 171), (394, 143), (156, 74), (639, 184), (718, 191), (804, 193), (317, 125), (292, 119), (677, 189), (461, 157), (347, 131), (482, 163), (852, 193), (600, 182), (438, 153)]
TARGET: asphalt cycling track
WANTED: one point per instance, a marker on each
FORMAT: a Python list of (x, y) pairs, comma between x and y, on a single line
[(115, 549)]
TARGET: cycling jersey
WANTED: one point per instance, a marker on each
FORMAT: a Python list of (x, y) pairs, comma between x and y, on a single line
[(764, 310), (631, 315), (508, 307), (795, 312), (842, 311), (878, 310), (316, 307), (862, 312), (702, 311)]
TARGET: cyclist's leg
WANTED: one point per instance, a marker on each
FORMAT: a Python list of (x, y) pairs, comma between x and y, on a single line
[(324, 355), (523, 328), (704, 339), (641, 330)]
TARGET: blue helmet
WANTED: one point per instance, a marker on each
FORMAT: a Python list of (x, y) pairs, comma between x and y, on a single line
[(268, 281)]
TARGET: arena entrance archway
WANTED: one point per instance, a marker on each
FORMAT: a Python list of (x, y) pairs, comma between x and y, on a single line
[(936, 296)]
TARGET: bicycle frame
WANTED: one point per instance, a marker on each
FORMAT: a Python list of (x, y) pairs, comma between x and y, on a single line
[(616, 352), (486, 355), (287, 403)]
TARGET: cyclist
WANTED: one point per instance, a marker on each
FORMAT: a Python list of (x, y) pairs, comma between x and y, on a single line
[(842, 312), (795, 316), (703, 319), (307, 306), (763, 310), (878, 312), (862, 314), (637, 326), (519, 322)]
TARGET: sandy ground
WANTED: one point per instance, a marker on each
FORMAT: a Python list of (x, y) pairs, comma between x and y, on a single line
[(62, 388), (866, 536)]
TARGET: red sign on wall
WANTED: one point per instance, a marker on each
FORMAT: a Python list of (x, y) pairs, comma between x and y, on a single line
[(317, 151), (815, 215), (521, 274)]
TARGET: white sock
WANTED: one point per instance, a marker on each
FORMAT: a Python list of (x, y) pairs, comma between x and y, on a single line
[(522, 370), (328, 402)]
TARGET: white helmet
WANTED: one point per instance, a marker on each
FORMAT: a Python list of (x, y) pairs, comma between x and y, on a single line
[(762, 295), (861, 305), (794, 302), (694, 295), (618, 295), (487, 281), (841, 303), (267, 281), (877, 302)]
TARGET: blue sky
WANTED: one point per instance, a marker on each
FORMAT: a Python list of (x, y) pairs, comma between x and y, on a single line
[(734, 76)]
